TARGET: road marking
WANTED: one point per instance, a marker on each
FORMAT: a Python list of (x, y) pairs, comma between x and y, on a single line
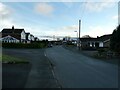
[(45, 54)]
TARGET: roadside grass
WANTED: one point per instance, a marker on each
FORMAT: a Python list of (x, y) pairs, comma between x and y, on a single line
[(107, 59), (70, 45), (99, 56), (12, 60)]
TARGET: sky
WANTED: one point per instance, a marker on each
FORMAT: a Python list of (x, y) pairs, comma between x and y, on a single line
[(61, 18)]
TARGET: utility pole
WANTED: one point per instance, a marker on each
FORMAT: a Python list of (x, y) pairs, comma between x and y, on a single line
[(79, 33)]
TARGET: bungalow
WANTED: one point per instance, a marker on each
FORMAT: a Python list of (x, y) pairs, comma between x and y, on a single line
[(11, 35), (89, 42), (103, 41)]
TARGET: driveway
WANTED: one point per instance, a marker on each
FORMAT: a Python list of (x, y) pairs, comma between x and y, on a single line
[(37, 74), (75, 70)]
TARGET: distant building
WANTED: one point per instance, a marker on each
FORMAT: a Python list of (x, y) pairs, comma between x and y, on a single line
[(67, 38), (58, 39), (12, 35)]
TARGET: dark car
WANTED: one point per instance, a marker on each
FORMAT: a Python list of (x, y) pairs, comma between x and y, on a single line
[(50, 45)]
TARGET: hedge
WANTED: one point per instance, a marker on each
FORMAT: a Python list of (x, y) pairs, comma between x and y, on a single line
[(24, 45)]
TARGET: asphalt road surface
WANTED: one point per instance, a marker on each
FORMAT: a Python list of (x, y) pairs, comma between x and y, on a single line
[(75, 70)]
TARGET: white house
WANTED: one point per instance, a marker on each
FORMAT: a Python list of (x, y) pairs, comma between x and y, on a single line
[(18, 34)]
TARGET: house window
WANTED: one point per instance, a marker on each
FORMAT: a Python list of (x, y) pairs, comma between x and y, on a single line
[(101, 44), (90, 44)]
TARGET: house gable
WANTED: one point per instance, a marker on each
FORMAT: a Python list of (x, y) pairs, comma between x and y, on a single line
[(10, 39)]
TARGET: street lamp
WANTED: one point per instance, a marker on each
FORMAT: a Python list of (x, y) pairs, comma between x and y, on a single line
[(77, 38), (77, 33)]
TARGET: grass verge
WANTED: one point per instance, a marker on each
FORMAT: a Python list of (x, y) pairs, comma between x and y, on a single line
[(11, 60)]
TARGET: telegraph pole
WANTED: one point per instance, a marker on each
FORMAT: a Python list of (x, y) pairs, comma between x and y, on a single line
[(79, 33)]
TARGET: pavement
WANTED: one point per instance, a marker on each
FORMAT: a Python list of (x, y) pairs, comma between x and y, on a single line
[(37, 74), (15, 75), (75, 70)]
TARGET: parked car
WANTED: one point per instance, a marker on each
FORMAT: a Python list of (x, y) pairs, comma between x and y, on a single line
[(50, 45)]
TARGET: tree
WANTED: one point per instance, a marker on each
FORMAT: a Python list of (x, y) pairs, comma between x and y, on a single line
[(115, 40)]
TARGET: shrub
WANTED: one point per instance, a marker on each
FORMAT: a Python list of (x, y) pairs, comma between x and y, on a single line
[(115, 40)]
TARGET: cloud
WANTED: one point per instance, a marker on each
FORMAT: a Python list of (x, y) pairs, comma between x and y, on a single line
[(5, 11), (60, 31), (44, 9), (98, 6), (95, 31), (65, 31), (72, 27), (5, 16)]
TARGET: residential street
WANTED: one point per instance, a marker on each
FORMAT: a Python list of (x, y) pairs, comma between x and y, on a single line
[(74, 70), (37, 74)]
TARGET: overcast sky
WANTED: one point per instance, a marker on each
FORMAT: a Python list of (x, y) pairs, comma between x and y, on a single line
[(61, 18)]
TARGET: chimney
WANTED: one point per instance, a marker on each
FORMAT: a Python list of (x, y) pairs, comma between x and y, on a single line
[(12, 27)]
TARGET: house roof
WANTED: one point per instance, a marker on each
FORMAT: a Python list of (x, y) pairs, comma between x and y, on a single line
[(17, 36), (9, 37), (105, 37), (7, 30), (88, 39), (31, 35), (101, 38), (27, 34), (12, 30)]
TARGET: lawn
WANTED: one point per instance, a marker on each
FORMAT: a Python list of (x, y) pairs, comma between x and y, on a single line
[(10, 59)]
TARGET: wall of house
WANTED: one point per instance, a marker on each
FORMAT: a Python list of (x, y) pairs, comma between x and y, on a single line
[(29, 38), (23, 35), (107, 44)]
